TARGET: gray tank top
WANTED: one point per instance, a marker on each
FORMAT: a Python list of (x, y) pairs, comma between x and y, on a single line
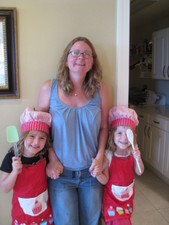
[(75, 130)]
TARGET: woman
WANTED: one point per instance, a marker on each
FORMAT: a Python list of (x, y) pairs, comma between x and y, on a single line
[(78, 103)]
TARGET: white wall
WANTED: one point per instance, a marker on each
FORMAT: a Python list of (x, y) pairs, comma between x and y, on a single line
[(44, 28)]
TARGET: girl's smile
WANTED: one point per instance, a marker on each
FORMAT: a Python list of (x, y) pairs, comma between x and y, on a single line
[(121, 140), (34, 143)]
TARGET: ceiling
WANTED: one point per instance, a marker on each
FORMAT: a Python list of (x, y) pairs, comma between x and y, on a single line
[(143, 11)]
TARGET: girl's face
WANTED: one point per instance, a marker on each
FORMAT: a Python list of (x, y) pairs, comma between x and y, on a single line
[(82, 63), (120, 138), (34, 142)]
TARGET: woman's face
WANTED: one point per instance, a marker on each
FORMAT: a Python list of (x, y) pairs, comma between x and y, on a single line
[(80, 59), (34, 142)]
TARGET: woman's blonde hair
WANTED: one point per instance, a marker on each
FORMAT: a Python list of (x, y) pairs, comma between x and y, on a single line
[(20, 145), (92, 82)]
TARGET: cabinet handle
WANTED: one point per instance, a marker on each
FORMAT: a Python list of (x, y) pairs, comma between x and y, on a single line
[(156, 122), (149, 132), (168, 71), (163, 71), (145, 128)]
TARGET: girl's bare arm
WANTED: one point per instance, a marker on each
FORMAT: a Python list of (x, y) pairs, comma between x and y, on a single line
[(8, 180), (104, 176)]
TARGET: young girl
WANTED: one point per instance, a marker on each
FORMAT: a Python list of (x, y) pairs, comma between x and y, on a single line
[(26, 173), (119, 165)]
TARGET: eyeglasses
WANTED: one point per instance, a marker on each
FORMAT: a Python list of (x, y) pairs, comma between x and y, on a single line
[(77, 53)]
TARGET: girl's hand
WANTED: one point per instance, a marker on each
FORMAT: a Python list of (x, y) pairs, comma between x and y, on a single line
[(54, 169), (17, 164), (8, 180), (96, 167), (139, 166), (136, 153)]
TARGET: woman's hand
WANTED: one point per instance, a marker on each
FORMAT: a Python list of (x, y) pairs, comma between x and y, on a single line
[(96, 167), (54, 169)]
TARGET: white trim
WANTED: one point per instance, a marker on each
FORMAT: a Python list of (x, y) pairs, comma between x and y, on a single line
[(122, 79)]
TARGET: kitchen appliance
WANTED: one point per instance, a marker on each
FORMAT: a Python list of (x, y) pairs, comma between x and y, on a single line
[(154, 99), (161, 100), (151, 97)]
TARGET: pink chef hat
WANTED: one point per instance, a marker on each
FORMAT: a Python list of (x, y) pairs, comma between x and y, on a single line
[(123, 116), (35, 120)]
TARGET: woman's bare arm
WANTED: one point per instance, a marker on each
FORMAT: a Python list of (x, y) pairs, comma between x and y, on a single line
[(54, 167), (98, 161)]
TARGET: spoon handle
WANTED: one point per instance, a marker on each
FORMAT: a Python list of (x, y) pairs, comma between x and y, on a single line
[(15, 150), (139, 168), (138, 165)]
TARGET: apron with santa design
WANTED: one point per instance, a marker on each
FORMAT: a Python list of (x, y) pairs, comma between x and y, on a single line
[(118, 193), (30, 203)]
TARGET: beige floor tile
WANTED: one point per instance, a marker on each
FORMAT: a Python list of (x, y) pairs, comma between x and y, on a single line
[(165, 213), (159, 199), (151, 201), (149, 218), (141, 203)]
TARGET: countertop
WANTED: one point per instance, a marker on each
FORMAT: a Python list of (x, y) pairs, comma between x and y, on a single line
[(162, 110)]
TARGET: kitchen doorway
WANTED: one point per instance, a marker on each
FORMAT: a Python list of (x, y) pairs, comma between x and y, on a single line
[(146, 16)]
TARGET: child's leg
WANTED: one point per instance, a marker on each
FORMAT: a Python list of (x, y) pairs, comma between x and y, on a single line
[(109, 223), (120, 222)]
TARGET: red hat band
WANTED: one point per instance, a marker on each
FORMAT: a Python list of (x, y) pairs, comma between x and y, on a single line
[(35, 125), (123, 122)]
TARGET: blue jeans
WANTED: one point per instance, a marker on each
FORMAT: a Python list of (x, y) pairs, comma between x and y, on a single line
[(76, 198)]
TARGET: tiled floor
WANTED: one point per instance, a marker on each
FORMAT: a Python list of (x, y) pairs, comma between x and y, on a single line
[(151, 203)]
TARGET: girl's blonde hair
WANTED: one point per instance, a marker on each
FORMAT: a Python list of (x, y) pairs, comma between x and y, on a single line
[(20, 145), (92, 82)]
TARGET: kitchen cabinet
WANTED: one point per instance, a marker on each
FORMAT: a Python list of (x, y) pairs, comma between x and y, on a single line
[(166, 155), (141, 58), (143, 135), (157, 148), (153, 141), (161, 54), (157, 136)]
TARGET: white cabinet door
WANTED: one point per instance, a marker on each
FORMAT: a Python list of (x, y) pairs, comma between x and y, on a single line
[(166, 157), (142, 134), (142, 139), (153, 141), (157, 148), (160, 54)]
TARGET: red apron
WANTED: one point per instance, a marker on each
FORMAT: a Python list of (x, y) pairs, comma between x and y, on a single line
[(118, 193), (30, 203)]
